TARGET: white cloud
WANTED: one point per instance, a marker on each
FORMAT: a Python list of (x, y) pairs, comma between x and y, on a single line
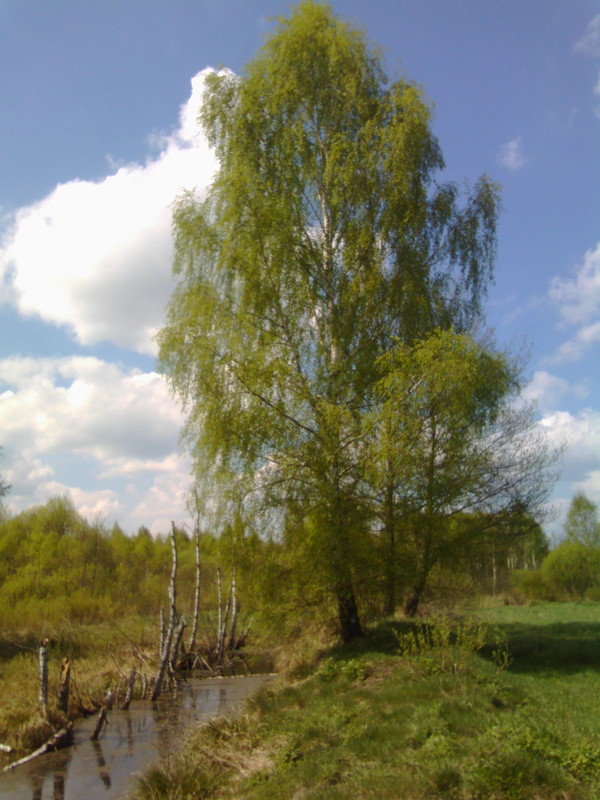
[(578, 302), (547, 390), (73, 423), (580, 464), (589, 44), (578, 298), (511, 155), (581, 434), (96, 256), (86, 406), (574, 349)]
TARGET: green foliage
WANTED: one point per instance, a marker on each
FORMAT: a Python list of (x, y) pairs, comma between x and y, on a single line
[(354, 669), (533, 584), (572, 568), (442, 644), (56, 567), (325, 239), (581, 524)]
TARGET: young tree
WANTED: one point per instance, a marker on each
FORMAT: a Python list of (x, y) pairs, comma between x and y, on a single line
[(449, 434), (324, 238), (581, 524)]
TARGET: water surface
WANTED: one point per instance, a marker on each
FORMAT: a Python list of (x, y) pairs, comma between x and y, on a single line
[(131, 742)]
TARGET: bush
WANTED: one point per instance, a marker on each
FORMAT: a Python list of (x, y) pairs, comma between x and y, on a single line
[(572, 569), (533, 584)]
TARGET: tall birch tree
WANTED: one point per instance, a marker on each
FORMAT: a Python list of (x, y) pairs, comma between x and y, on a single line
[(325, 237)]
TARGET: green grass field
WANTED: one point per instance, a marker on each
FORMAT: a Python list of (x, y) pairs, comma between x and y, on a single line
[(417, 716)]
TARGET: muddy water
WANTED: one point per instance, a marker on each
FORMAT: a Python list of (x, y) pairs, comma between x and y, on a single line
[(133, 740)]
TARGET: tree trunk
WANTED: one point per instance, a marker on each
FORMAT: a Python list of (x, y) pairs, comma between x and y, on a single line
[(63, 689), (58, 740), (43, 678), (412, 604), (193, 632), (168, 642), (234, 613), (350, 626), (106, 707), (130, 685)]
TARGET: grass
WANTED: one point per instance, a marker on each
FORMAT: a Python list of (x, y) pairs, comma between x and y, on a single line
[(101, 656), (416, 714)]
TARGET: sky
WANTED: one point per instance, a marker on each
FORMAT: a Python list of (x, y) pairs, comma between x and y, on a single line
[(98, 136)]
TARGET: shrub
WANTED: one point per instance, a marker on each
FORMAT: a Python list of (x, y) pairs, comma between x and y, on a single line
[(572, 569), (533, 584)]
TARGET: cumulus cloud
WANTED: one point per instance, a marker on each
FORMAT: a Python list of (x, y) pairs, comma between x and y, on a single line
[(103, 424), (578, 302), (547, 390), (86, 406), (96, 256), (511, 155), (578, 298), (581, 433)]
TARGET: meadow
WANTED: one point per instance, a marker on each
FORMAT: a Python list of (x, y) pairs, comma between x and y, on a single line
[(502, 703)]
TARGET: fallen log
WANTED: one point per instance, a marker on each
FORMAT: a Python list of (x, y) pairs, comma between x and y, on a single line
[(58, 740)]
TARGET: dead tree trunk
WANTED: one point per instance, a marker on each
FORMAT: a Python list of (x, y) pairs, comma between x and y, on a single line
[(58, 740), (165, 654), (178, 644), (106, 707), (130, 685), (64, 686), (43, 677)]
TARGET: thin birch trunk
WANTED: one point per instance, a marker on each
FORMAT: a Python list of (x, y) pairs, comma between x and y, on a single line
[(58, 740), (163, 632), (177, 645), (234, 613), (43, 678), (193, 632), (166, 650)]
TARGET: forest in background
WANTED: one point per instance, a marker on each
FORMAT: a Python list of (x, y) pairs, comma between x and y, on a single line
[(57, 569)]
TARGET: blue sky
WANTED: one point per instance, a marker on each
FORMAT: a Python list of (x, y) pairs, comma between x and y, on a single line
[(98, 103)]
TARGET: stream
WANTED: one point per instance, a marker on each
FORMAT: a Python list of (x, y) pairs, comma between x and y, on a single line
[(129, 744)]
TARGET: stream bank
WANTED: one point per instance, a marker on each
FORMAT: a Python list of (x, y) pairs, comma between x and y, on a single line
[(133, 740)]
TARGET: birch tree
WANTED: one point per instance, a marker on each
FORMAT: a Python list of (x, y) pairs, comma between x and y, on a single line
[(325, 237)]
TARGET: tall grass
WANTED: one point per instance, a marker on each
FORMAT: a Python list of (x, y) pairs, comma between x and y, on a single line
[(100, 655)]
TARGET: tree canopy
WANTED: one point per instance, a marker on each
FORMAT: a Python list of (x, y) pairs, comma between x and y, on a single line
[(325, 241)]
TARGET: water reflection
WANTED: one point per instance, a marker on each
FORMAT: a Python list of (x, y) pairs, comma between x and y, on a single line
[(132, 740)]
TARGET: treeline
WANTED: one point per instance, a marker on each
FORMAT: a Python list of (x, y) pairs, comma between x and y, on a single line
[(57, 567)]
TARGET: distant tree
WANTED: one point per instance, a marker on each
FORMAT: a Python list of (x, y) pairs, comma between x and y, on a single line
[(324, 239), (581, 524), (572, 569)]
